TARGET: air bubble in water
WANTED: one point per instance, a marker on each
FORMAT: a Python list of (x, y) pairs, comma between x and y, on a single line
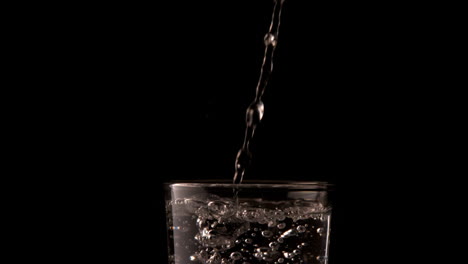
[(289, 233), (280, 260), (301, 229), (216, 206), (288, 255), (179, 201), (280, 215), (236, 255), (320, 231), (281, 225), (248, 240), (274, 245), (267, 233)]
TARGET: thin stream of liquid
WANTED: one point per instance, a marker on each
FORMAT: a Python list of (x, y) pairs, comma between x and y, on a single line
[(205, 228), (255, 111)]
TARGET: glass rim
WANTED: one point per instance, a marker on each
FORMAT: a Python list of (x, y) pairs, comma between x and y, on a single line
[(251, 184)]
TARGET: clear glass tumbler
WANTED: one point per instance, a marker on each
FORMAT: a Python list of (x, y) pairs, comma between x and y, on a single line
[(250, 223)]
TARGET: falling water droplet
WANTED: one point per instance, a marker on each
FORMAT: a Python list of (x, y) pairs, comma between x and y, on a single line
[(270, 39)]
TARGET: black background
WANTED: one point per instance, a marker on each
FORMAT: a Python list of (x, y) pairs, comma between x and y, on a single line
[(155, 93)]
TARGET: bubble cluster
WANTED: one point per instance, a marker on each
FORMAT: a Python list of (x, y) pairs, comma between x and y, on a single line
[(215, 230)]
